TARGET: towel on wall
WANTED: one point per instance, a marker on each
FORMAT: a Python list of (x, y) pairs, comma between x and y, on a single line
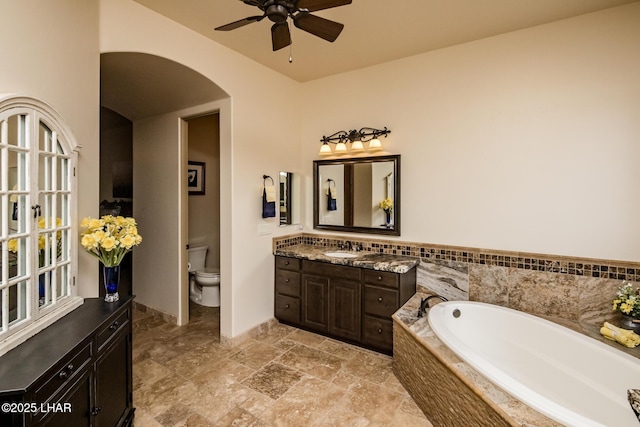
[(270, 191), (331, 196), (268, 198)]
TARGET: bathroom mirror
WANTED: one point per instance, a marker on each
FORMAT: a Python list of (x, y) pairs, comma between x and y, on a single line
[(348, 194), (289, 198)]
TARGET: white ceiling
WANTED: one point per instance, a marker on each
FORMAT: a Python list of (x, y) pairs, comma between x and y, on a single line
[(375, 31)]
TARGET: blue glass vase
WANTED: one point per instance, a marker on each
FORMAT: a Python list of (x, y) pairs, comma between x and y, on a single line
[(111, 276), (42, 282)]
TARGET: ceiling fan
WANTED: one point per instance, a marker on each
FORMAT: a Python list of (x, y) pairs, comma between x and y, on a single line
[(278, 11)]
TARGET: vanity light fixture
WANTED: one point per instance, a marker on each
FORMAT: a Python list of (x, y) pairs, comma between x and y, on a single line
[(356, 138)]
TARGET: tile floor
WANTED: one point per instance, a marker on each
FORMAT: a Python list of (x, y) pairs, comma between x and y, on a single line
[(182, 376)]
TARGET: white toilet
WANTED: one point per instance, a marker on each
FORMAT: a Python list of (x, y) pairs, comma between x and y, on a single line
[(204, 283)]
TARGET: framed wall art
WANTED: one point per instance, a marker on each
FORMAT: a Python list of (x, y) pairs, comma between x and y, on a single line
[(195, 178)]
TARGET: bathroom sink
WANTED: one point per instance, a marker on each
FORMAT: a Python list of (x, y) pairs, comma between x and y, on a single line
[(341, 254)]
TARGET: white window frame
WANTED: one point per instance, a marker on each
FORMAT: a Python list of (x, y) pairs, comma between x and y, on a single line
[(37, 317)]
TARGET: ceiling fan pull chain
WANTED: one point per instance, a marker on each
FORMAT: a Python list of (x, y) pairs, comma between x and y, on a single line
[(290, 54)]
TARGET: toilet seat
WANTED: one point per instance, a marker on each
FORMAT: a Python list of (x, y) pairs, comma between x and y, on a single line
[(208, 272)]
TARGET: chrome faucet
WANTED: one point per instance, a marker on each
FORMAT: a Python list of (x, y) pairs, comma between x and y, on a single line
[(346, 245), (424, 303)]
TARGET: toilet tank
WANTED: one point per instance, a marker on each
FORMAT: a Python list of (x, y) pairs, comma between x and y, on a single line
[(197, 256)]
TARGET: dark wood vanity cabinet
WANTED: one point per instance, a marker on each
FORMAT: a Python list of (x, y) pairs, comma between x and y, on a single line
[(349, 303), (76, 372), (384, 293)]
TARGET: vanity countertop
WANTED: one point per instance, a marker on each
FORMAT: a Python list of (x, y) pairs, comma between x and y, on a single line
[(370, 260)]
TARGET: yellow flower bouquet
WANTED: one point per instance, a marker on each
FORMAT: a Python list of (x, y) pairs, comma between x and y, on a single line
[(627, 300), (386, 205), (109, 238), (12, 244)]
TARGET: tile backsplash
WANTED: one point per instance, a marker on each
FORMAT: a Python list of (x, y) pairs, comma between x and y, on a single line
[(575, 289)]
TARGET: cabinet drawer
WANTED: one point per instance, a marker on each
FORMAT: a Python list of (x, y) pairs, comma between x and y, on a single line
[(65, 370), (288, 282), (287, 308), (112, 328), (383, 278), (378, 332), (285, 263), (380, 301), (331, 270)]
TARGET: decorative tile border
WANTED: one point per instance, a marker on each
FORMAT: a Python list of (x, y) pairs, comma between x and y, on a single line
[(606, 269)]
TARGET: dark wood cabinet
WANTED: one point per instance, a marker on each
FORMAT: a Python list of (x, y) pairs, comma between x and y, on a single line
[(348, 303), (344, 309), (76, 372), (315, 298)]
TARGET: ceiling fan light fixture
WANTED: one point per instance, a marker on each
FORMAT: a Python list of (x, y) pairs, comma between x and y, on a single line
[(279, 12)]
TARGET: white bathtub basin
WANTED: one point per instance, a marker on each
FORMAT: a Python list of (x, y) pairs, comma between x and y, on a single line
[(563, 374), (341, 254)]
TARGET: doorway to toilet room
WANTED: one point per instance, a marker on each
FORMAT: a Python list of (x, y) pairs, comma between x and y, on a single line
[(203, 176)]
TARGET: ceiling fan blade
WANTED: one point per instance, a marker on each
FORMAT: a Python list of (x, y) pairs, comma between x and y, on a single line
[(240, 23), (313, 5), (324, 28), (280, 36), (257, 3)]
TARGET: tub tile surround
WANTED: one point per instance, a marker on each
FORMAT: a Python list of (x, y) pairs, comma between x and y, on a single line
[(421, 358), (576, 290), (449, 391)]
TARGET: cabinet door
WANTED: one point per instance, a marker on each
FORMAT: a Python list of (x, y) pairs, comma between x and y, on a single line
[(344, 308), (314, 302), (73, 407), (113, 388)]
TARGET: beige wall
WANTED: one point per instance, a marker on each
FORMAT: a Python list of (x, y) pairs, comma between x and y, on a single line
[(253, 142), (526, 141), (50, 51), (204, 210)]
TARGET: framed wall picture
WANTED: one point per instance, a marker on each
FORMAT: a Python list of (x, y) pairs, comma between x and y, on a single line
[(195, 178)]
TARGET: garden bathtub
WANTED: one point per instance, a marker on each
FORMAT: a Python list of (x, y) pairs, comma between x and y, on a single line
[(563, 374)]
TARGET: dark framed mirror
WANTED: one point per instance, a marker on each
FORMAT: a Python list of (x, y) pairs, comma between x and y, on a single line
[(289, 198), (360, 195)]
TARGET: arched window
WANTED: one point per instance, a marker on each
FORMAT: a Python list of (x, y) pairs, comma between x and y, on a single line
[(37, 219)]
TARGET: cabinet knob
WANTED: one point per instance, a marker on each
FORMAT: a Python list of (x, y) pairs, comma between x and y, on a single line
[(96, 410), (286, 280), (286, 306), (380, 330), (62, 375), (379, 277), (379, 299), (286, 263), (114, 326), (70, 367)]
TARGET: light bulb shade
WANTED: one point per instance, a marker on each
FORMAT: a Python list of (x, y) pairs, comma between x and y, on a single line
[(375, 145), (357, 145), (341, 147), (325, 149)]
